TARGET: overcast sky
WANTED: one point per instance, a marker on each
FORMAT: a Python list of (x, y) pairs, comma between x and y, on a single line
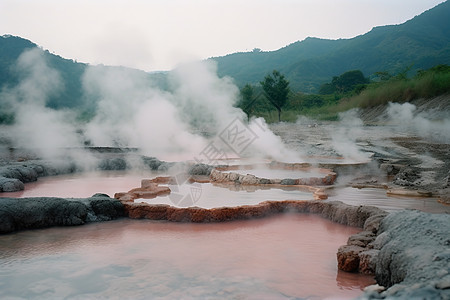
[(158, 34)]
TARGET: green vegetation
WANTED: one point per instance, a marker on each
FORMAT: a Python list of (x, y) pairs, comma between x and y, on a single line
[(423, 41), (425, 84), (353, 90), (276, 89), (309, 67)]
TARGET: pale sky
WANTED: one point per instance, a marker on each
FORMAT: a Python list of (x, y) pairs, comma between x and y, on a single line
[(159, 34)]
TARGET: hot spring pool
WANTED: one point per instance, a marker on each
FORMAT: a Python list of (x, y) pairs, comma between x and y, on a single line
[(379, 198), (82, 185), (281, 257), (207, 195), (86, 184)]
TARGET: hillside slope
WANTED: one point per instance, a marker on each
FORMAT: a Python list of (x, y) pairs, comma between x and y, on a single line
[(421, 42)]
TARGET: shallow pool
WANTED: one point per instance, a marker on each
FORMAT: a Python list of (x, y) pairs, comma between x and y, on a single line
[(379, 198), (282, 257), (82, 185), (207, 195)]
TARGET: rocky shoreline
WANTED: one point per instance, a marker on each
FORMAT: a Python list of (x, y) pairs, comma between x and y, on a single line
[(41, 212), (407, 251), (14, 174)]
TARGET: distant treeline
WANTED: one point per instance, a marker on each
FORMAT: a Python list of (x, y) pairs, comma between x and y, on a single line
[(350, 90)]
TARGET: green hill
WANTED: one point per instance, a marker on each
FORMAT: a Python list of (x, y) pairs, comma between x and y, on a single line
[(11, 47), (421, 42), (71, 95)]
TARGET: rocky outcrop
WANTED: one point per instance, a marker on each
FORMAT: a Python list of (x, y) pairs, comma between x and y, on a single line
[(335, 211), (311, 184), (413, 259), (13, 175), (200, 169), (359, 254), (149, 189), (10, 185), (29, 213), (218, 175)]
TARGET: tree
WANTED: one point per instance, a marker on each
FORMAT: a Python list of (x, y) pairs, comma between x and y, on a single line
[(347, 81), (276, 89), (247, 99), (344, 83)]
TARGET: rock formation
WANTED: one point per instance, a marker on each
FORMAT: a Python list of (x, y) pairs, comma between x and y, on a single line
[(29, 213), (413, 260)]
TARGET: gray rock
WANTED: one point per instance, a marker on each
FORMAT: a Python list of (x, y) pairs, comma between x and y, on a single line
[(113, 164), (367, 261), (373, 222), (101, 195), (10, 185), (264, 181), (339, 212), (23, 173), (152, 162), (361, 239), (233, 176), (200, 169), (288, 181), (40, 212), (248, 179), (407, 176), (381, 240), (413, 260)]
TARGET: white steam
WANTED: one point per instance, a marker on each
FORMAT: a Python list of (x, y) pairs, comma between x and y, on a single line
[(132, 112), (425, 124), (36, 126), (344, 136)]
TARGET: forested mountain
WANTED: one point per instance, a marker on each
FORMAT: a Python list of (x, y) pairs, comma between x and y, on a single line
[(70, 93), (11, 47), (419, 43)]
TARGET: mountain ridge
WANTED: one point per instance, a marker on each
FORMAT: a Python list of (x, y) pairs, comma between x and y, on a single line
[(420, 42)]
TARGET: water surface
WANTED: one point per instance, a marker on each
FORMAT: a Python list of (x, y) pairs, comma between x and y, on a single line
[(275, 258)]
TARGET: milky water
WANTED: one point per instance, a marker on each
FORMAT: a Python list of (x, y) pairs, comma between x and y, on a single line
[(82, 185), (285, 256), (379, 198), (279, 257), (209, 195), (278, 173)]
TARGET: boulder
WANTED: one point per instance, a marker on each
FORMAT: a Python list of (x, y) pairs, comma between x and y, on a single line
[(112, 164), (40, 212), (218, 176), (372, 223), (10, 185), (348, 258), (361, 239), (407, 176), (249, 179), (367, 261), (200, 169), (413, 259), (288, 181)]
